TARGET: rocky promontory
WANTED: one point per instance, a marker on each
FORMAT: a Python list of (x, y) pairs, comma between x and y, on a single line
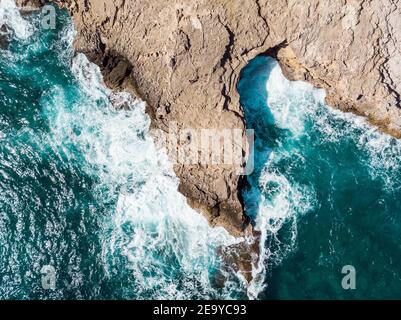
[(184, 58)]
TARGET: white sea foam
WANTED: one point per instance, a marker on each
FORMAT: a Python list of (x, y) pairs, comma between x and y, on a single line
[(282, 201), (163, 229), (290, 101), (383, 152), (10, 16), (295, 106), (294, 102), (170, 249)]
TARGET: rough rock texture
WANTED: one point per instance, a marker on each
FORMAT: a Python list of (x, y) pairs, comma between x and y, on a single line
[(30, 5), (184, 57), (4, 36), (352, 48)]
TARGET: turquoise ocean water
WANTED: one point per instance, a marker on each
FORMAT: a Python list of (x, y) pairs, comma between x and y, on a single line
[(83, 189), (327, 188)]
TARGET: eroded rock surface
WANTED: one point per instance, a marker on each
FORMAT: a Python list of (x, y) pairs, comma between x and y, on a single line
[(351, 48), (30, 5), (184, 57)]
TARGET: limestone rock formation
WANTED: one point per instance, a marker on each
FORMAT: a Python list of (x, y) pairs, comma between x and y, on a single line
[(184, 57), (350, 47), (30, 5)]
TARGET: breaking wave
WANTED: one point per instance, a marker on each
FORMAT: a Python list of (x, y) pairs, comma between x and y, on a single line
[(299, 142), (83, 188), (102, 204), (11, 17)]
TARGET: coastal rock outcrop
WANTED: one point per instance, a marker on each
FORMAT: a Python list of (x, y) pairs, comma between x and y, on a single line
[(30, 5), (351, 48), (184, 58)]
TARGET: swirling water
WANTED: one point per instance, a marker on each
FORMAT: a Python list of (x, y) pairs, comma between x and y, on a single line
[(83, 189), (326, 192)]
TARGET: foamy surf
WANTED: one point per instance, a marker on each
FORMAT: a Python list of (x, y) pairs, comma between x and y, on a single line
[(118, 149), (11, 17), (84, 189), (298, 112), (149, 235)]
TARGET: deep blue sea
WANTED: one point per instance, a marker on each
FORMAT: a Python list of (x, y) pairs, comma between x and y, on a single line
[(84, 190)]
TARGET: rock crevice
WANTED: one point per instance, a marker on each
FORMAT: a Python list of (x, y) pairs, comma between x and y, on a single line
[(184, 57)]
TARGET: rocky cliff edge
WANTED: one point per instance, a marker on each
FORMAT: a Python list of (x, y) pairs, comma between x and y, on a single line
[(184, 58)]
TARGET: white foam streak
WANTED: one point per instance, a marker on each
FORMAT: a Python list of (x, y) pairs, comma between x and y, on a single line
[(11, 17), (288, 99), (301, 109), (152, 225), (281, 201)]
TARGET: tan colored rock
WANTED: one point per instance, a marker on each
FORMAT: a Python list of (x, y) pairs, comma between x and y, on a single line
[(181, 57), (184, 57), (351, 48), (30, 5)]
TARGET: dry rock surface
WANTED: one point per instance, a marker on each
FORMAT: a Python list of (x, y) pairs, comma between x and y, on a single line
[(30, 5), (184, 58)]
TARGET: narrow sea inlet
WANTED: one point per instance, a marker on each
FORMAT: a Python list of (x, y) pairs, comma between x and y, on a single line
[(326, 192), (84, 191)]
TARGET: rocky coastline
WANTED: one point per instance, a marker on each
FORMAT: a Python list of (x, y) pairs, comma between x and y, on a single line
[(184, 58)]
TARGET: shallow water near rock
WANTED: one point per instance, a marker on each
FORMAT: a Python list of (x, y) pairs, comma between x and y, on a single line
[(82, 188), (326, 192)]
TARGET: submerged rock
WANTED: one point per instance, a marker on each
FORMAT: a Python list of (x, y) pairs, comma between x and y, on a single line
[(4, 37)]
